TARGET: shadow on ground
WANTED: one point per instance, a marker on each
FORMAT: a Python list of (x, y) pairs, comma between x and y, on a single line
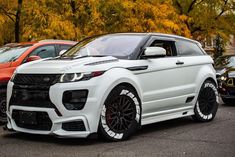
[(145, 130)]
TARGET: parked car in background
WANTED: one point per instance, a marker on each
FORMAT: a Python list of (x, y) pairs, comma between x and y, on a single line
[(7, 46), (113, 84), (15, 54), (225, 67)]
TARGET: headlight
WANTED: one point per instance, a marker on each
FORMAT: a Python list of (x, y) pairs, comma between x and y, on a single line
[(74, 77), (71, 77), (223, 78)]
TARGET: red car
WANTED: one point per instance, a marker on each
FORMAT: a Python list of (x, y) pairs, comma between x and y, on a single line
[(15, 54)]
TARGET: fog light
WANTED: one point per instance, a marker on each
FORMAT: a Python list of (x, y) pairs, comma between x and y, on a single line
[(75, 99)]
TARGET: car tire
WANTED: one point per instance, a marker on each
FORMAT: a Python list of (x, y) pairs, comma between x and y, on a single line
[(228, 101), (121, 114), (207, 103), (3, 116)]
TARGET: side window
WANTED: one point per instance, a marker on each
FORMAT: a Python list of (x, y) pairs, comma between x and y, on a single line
[(63, 47), (187, 48), (44, 51), (167, 45)]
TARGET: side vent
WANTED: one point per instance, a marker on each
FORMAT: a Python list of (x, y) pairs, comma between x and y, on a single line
[(189, 99), (184, 113)]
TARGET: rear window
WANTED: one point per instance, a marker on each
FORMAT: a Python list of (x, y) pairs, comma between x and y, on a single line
[(187, 48)]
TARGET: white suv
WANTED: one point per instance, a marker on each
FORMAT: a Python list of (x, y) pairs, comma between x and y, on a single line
[(113, 84)]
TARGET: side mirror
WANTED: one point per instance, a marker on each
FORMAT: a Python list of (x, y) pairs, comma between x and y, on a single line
[(151, 52), (62, 52), (32, 58)]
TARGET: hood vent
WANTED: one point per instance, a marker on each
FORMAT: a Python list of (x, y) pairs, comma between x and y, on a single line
[(102, 62)]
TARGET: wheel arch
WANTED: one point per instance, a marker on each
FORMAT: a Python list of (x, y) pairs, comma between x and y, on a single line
[(212, 80), (113, 79)]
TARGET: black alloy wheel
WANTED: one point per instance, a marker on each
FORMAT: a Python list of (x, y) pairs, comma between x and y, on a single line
[(207, 103), (206, 100), (121, 114)]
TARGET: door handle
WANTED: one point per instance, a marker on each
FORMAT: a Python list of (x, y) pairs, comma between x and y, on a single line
[(179, 63)]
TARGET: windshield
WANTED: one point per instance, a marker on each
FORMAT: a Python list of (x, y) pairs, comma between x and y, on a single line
[(119, 46), (12, 53), (225, 61), (3, 48)]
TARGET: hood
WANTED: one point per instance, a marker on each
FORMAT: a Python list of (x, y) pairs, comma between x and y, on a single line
[(59, 66), (5, 65)]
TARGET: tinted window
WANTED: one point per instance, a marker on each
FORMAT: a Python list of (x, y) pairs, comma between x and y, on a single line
[(64, 47), (44, 51), (187, 48), (167, 45)]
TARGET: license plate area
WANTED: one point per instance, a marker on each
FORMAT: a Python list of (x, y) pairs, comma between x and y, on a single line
[(28, 117), (33, 120)]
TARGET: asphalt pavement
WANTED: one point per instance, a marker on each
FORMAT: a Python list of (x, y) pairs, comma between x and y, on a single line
[(179, 137)]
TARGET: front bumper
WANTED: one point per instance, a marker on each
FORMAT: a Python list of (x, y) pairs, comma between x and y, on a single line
[(89, 115), (57, 122)]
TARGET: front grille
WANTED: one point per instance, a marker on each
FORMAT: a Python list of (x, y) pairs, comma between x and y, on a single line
[(36, 79), (41, 120), (31, 96)]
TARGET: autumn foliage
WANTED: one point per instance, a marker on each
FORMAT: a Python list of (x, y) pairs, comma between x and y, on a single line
[(26, 20)]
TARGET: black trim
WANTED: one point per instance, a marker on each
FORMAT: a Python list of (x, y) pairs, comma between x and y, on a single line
[(32, 120), (32, 96), (189, 99), (74, 126), (75, 99), (137, 68)]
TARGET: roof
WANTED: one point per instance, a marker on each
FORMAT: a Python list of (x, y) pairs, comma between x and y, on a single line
[(41, 41), (162, 35), (56, 40)]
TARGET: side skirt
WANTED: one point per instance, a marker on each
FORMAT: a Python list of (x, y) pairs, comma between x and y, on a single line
[(167, 115)]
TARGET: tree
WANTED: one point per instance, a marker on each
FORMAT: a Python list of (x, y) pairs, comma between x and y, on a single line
[(14, 14), (208, 17), (219, 47), (76, 19)]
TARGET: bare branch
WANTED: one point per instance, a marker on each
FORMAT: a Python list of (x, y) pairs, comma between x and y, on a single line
[(223, 10), (8, 14), (178, 5), (190, 8)]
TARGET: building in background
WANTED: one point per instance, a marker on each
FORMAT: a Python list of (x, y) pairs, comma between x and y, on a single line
[(209, 44)]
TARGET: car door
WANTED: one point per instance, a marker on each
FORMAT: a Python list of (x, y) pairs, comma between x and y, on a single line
[(193, 58), (163, 83)]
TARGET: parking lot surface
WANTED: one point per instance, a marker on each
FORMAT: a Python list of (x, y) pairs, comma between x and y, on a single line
[(180, 137)]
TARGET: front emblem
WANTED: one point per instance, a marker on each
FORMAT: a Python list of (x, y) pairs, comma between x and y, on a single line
[(46, 79)]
